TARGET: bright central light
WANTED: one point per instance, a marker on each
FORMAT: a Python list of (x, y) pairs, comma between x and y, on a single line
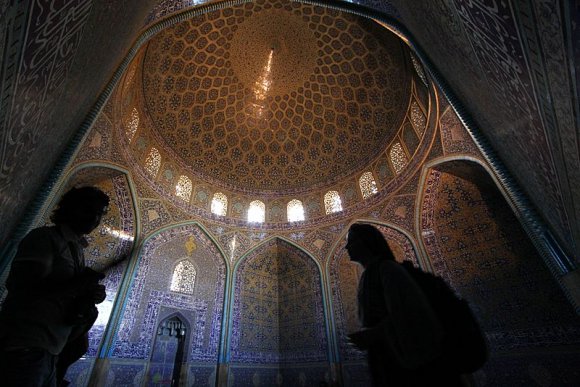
[(262, 86), (265, 81)]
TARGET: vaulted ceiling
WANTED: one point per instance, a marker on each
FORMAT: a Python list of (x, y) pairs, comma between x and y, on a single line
[(512, 66), (275, 96)]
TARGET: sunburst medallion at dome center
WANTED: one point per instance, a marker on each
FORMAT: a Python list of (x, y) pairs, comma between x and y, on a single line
[(273, 52), (275, 95)]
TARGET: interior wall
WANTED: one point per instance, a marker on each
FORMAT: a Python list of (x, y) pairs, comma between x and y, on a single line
[(478, 246), (56, 57), (539, 343), (278, 322), (150, 301), (510, 64)]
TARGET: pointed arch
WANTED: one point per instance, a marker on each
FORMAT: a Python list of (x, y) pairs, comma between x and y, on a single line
[(279, 279), (342, 277), (478, 244), (115, 237), (169, 348), (206, 308), (420, 197)]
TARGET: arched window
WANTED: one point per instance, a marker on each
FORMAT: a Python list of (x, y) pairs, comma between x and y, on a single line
[(418, 119), (132, 125), (219, 204), (332, 202), (183, 188), (419, 69), (367, 184), (153, 162), (295, 211), (257, 212), (183, 278), (398, 157)]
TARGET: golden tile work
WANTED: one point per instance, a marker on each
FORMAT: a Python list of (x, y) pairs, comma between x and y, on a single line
[(275, 95)]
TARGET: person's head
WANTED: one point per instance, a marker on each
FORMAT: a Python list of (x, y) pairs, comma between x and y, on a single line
[(81, 209), (366, 244)]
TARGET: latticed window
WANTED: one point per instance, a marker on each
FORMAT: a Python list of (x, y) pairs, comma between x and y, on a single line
[(257, 212), (183, 188), (295, 211), (132, 125), (183, 278), (219, 204), (398, 157), (418, 119), (419, 69), (367, 184), (332, 202), (153, 162)]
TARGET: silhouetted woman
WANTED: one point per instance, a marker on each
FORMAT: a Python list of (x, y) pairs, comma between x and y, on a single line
[(402, 335)]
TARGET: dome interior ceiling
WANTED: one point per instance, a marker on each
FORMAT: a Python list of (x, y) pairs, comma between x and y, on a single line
[(275, 96)]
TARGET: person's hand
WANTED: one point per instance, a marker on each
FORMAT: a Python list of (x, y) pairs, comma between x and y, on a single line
[(359, 340), (97, 293)]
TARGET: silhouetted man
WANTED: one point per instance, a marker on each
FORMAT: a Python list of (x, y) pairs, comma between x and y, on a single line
[(401, 332), (47, 294)]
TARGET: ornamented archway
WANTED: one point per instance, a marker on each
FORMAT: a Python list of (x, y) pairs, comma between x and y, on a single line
[(278, 320), (476, 243), (150, 298)]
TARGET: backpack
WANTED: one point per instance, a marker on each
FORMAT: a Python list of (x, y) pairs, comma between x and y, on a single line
[(464, 344)]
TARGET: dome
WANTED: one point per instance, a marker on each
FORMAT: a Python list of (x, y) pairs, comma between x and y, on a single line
[(274, 97)]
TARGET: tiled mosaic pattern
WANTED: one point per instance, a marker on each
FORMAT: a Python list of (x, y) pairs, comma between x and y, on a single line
[(278, 314), (150, 294), (455, 137), (544, 369), (205, 186), (400, 210), (514, 80), (168, 7), (300, 375), (329, 96), (97, 146), (125, 373), (476, 244)]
